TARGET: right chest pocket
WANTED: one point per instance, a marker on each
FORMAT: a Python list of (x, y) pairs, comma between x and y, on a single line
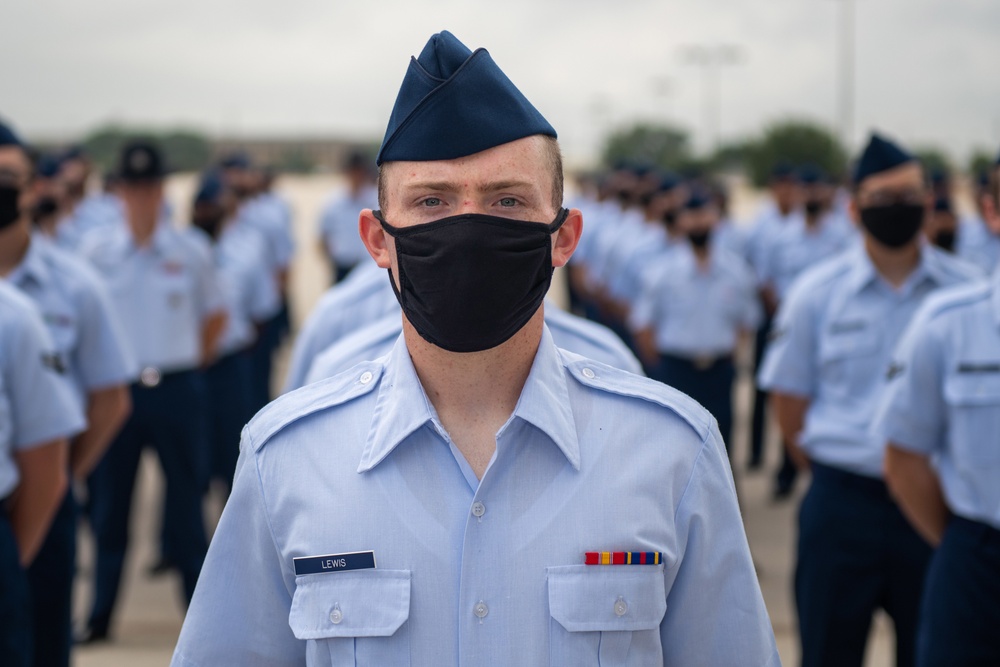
[(849, 359), (974, 404), (353, 618), (606, 615)]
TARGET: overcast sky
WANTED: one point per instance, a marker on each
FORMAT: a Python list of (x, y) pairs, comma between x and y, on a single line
[(928, 71)]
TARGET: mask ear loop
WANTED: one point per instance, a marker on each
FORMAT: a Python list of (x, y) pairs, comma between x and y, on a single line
[(558, 222)]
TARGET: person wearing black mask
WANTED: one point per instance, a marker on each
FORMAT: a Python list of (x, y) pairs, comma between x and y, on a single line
[(826, 368), (941, 226), (694, 309), (476, 462)]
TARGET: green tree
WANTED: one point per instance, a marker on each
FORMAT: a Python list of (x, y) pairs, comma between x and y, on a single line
[(797, 142), (981, 162), (661, 146), (184, 149)]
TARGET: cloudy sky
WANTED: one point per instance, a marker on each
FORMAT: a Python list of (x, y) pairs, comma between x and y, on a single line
[(928, 71)]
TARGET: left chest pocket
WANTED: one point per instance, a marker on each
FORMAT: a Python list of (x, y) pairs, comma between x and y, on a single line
[(353, 618), (974, 403), (606, 615)]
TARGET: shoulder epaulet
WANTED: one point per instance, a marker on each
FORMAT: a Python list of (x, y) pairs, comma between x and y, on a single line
[(293, 406), (602, 377)]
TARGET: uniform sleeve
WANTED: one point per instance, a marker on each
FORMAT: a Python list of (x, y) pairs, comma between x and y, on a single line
[(912, 413), (239, 612), (790, 364), (210, 296), (715, 610), (644, 309), (43, 407), (752, 313), (103, 357), (314, 337), (264, 298)]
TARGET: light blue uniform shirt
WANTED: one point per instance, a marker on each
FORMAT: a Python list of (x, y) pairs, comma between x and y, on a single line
[(833, 341), (95, 213), (484, 572), (338, 225), (78, 314), (768, 223), (794, 247), (696, 312), (978, 245), (162, 292), (251, 295), (943, 399), (262, 214), (583, 337), (36, 404), (363, 298)]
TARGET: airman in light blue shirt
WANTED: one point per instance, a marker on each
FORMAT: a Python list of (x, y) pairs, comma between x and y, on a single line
[(364, 298), (338, 221), (463, 479)]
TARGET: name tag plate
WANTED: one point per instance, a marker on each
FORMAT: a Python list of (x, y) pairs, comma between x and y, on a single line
[(357, 560)]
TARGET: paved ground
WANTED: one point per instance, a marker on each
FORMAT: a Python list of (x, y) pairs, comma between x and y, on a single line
[(150, 611)]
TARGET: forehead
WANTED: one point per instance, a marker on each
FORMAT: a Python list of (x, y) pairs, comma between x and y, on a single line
[(907, 175), (14, 158), (524, 159)]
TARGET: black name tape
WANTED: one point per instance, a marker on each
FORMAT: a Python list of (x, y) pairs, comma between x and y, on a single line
[(358, 560)]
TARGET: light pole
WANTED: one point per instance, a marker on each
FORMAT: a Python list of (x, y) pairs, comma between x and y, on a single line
[(711, 59)]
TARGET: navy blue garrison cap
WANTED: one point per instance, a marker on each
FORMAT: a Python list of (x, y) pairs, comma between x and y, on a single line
[(8, 137), (236, 160), (879, 155), (48, 165), (455, 103), (810, 174), (698, 198), (210, 188)]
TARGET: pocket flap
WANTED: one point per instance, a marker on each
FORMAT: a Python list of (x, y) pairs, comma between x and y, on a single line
[(852, 340), (607, 598), (363, 603), (972, 388)]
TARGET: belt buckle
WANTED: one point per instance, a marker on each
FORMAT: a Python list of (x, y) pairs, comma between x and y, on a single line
[(150, 377), (703, 363)]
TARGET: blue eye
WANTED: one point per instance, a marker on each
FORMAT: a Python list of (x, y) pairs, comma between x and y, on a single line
[(431, 201), (508, 202)]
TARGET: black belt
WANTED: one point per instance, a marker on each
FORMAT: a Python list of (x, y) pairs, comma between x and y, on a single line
[(151, 377), (850, 480), (700, 362)]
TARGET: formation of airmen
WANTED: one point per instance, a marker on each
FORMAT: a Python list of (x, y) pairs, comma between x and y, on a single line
[(457, 473)]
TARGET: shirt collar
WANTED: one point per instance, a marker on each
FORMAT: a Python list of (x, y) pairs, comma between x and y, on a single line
[(402, 406), (863, 272), (33, 266)]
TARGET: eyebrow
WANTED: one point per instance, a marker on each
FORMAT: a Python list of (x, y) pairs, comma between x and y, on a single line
[(452, 186)]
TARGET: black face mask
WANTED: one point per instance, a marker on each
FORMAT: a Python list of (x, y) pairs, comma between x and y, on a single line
[(45, 206), (468, 283), (210, 224), (813, 207), (9, 210), (894, 225), (700, 238), (945, 239)]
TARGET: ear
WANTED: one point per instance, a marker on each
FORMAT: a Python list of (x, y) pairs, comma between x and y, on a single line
[(564, 241), (375, 239)]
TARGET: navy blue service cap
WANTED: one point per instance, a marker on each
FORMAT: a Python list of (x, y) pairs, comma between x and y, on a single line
[(879, 155), (48, 165), (8, 137), (698, 198), (455, 103), (141, 160), (236, 160), (210, 188)]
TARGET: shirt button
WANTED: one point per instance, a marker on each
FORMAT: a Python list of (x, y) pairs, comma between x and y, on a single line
[(587, 373), (366, 377), (480, 610), (478, 509), (336, 616), (621, 607)]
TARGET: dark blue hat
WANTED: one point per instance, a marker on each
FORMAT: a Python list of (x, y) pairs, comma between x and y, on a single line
[(454, 103), (210, 188), (942, 205), (669, 181), (698, 198), (141, 160), (783, 170), (235, 160), (74, 152), (879, 155), (8, 137), (48, 166), (811, 174)]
